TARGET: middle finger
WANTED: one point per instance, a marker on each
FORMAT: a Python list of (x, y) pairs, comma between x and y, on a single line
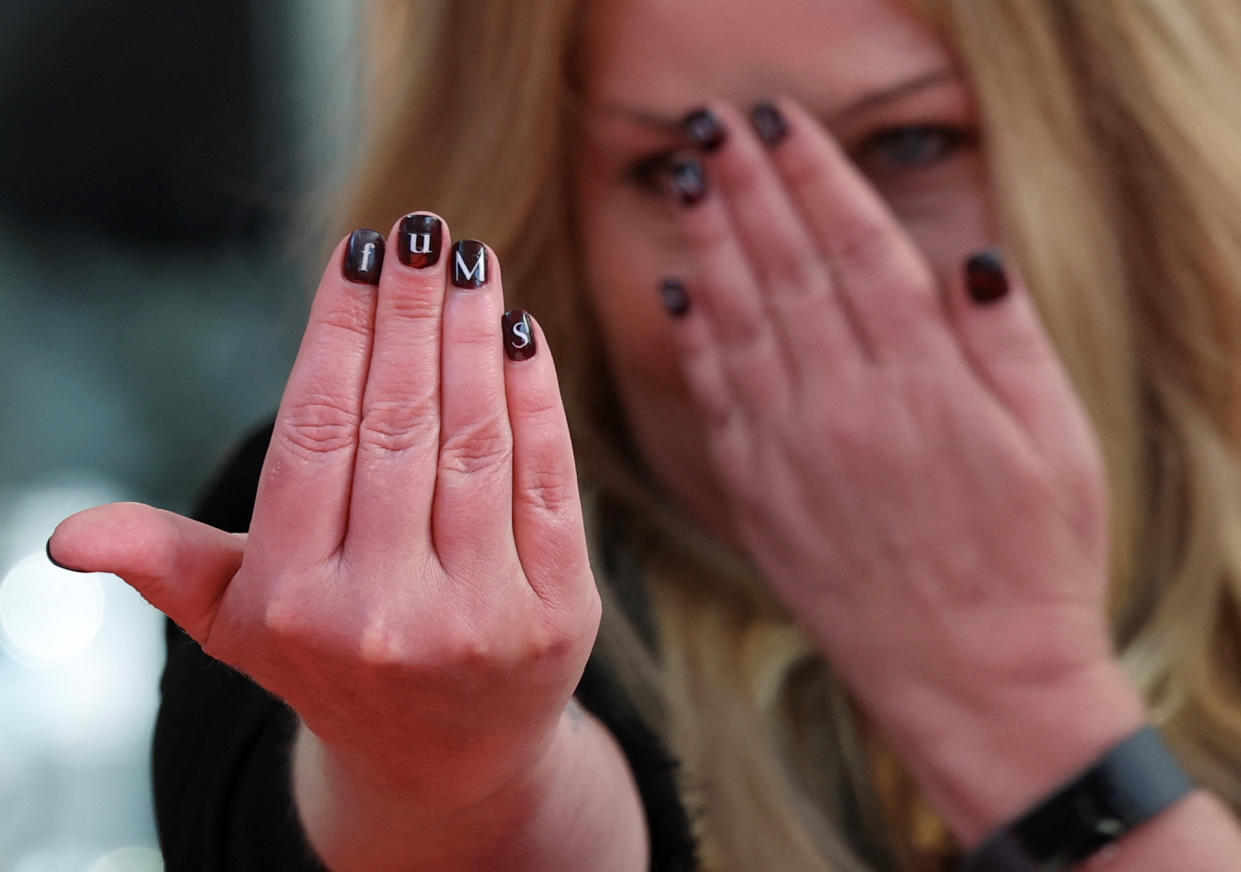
[(811, 319), (877, 268), (398, 437), (727, 296)]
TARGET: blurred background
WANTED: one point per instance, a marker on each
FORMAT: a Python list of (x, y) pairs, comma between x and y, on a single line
[(158, 166)]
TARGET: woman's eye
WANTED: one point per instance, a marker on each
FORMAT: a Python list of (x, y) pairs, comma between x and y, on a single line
[(647, 173), (911, 147)]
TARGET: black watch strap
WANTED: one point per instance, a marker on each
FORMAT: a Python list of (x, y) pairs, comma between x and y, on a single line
[(1130, 784)]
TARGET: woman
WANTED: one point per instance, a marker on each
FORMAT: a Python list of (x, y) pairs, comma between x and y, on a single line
[(830, 445)]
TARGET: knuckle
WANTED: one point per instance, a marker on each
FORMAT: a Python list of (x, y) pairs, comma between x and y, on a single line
[(538, 405), (443, 645), (318, 426), (750, 343), (476, 337), (547, 491), (917, 315), (790, 268), (412, 304), (742, 331), (761, 387), (501, 639), (861, 245), (383, 647), (351, 316), (743, 176), (283, 620), (709, 232), (853, 437), (803, 168), (550, 647), (459, 648), (481, 448), (789, 305), (391, 426), (574, 619), (547, 643)]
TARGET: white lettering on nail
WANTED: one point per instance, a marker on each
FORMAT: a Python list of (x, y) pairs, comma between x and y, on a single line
[(521, 334), (477, 273)]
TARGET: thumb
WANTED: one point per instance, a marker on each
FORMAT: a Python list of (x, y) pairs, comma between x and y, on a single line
[(180, 566)]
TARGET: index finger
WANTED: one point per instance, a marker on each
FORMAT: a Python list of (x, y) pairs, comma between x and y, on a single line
[(874, 263), (304, 489)]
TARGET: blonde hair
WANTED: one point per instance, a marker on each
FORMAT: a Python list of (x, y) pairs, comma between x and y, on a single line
[(1113, 135)]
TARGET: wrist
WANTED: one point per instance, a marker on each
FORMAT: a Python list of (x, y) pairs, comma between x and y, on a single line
[(1135, 782), (457, 779), (982, 762), (575, 807)]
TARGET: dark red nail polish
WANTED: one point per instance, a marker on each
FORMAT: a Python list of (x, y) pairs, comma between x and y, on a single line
[(469, 264), (364, 257), (985, 277), (52, 560), (672, 294), (418, 242), (769, 124), (704, 130), (687, 180), (518, 332)]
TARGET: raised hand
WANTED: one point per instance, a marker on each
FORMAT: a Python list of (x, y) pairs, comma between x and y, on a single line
[(415, 582), (908, 466)]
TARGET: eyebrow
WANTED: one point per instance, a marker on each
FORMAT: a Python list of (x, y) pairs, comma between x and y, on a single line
[(868, 101), (894, 92)]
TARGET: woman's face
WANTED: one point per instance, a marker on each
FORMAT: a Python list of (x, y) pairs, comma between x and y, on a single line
[(886, 88)]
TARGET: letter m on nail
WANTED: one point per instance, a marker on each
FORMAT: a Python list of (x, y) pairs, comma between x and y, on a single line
[(471, 273)]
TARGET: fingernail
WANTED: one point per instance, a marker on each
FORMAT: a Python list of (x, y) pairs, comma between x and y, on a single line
[(985, 277), (418, 243), (672, 294), (687, 180), (52, 560), (364, 257), (518, 335), (469, 264), (704, 130), (768, 123)]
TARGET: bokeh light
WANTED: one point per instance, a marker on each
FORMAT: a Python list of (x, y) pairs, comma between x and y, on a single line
[(57, 859), (133, 859), (135, 352), (48, 614)]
